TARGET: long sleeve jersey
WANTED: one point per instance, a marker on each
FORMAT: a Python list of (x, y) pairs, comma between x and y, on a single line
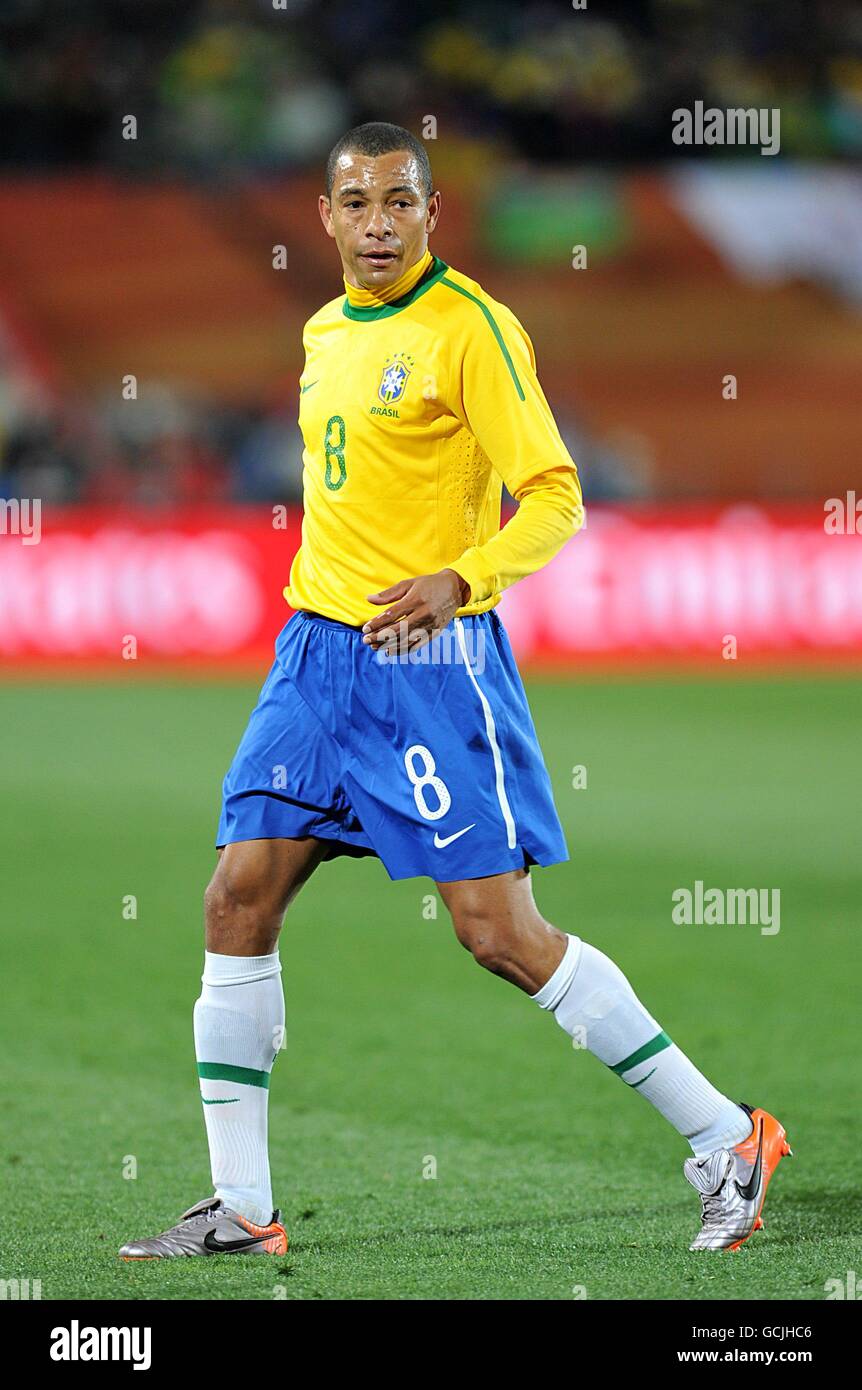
[(416, 405)]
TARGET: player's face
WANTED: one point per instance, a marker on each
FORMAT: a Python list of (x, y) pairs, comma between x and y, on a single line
[(379, 216)]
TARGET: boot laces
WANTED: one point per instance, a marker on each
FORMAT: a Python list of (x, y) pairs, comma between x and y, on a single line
[(713, 1208)]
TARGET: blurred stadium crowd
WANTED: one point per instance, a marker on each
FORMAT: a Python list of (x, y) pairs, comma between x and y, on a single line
[(225, 90), (266, 82)]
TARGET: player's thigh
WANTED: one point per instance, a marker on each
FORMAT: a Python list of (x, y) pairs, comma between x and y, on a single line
[(262, 876), (499, 903)]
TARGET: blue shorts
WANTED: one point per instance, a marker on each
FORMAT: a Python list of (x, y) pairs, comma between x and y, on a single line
[(430, 762)]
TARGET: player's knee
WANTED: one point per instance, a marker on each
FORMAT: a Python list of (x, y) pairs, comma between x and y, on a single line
[(494, 953), (217, 903), (489, 944), (234, 889)]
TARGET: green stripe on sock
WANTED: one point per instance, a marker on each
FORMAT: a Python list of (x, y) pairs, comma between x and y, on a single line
[(656, 1044), (221, 1071)]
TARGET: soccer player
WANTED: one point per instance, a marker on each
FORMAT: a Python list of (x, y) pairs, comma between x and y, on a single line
[(393, 721)]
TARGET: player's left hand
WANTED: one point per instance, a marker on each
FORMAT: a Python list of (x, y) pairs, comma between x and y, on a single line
[(416, 609)]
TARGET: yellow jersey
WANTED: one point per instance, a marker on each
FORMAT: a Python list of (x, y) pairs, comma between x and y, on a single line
[(416, 404)]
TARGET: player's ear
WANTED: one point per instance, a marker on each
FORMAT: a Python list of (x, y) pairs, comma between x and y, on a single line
[(324, 207), (432, 212)]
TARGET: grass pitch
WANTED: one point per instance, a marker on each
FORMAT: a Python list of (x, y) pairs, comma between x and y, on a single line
[(403, 1058)]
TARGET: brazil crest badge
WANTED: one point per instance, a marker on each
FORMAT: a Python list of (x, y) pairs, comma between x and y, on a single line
[(393, 380)]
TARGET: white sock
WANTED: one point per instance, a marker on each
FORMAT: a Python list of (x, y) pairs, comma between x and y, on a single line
[(593, 1001), (239, 1023)]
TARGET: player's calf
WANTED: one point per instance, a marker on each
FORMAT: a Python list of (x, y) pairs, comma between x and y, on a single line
[(238, 1028)]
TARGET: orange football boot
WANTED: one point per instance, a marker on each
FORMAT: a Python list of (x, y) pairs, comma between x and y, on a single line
[(732, 1183)]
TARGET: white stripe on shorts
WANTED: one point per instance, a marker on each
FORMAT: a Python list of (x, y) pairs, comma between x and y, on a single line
[(491, 731)]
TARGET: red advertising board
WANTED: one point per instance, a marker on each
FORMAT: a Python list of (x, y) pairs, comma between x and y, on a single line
[(205, 588)]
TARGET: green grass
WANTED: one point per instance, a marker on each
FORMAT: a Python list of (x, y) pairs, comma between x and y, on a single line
[(551, 1174)]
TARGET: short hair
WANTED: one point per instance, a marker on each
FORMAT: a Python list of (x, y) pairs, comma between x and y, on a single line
[(376, 138)]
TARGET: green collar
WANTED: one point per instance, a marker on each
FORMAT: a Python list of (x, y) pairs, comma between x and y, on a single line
[(436, 270)]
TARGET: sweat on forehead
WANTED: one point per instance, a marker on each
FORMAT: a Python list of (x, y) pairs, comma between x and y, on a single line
[(354, 169), (378, 140)]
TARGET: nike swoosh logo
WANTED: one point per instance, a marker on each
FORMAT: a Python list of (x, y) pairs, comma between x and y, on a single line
[(441, 844), (303, 389), (634, 1084), (235, 1101), (749, 1192), (223, 1247)]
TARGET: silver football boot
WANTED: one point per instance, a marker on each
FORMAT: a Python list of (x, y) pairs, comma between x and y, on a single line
[(210, 1228), (732, 1183)]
